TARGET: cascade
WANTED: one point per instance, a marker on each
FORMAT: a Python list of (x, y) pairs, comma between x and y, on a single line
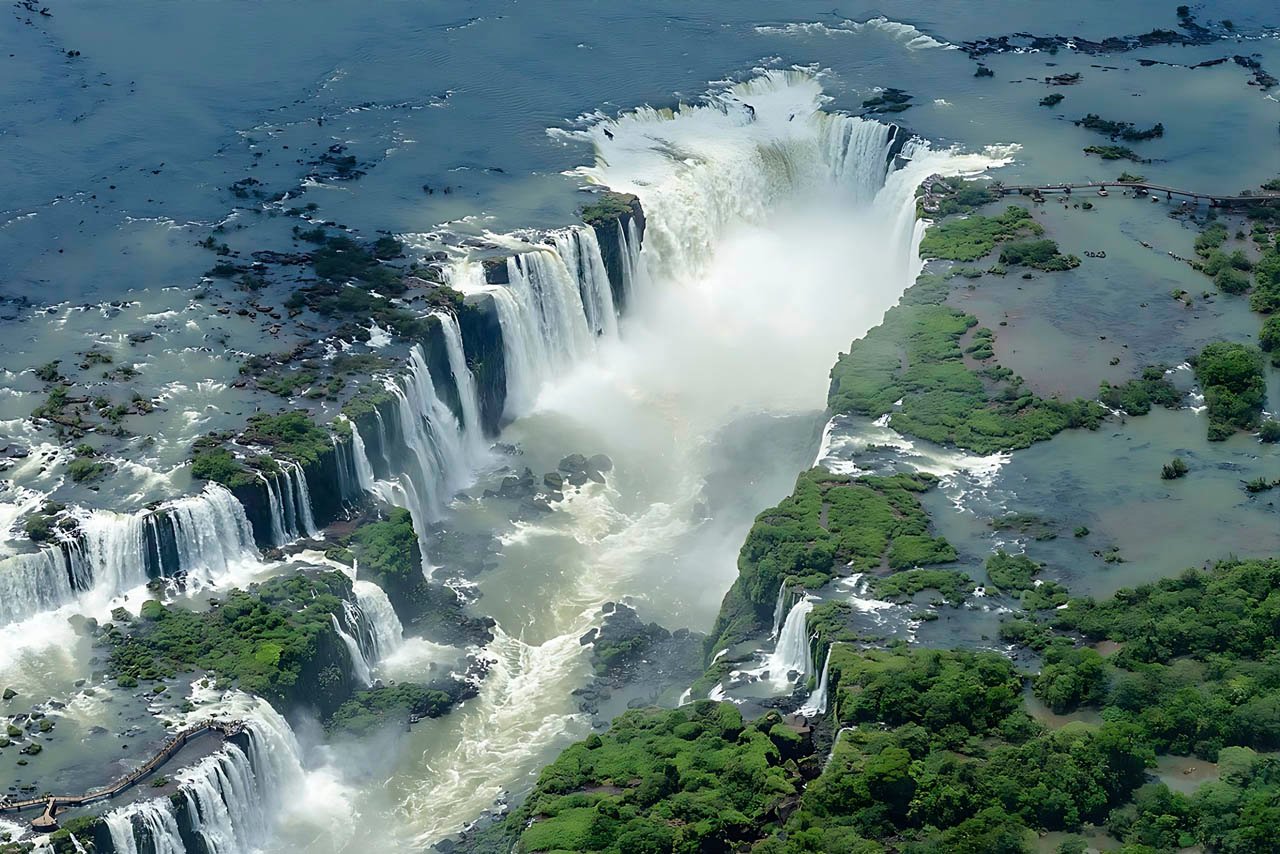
[(231, 795), (277, 510), (380, 623), (290, 503), (145, 826), (816, 705), (793, 652), (212, 534), (360, 458), (211, 537), (114, 547), (633, 268), (359, 665), (465, 381), (557, 302), (40, 581), (302, 498), (779, 610), (579, 251), (383, 444), (342, 460)]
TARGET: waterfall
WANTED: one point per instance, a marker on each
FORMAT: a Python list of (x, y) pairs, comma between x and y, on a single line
[(290, 502), (202, 538), (212, 534), (816, 705), (779, 610), (383, 444), (633, 270), (793, 652), (465, 382), (579, 251), (39, 581), (557, 302), (114, 547), (277, 510), (145, 826), (224, 806), (359, 665), (341, 457), (360, 458), (231, 796), (380, 623), (441, 452)]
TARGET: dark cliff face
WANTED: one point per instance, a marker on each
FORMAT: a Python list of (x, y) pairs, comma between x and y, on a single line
[(486, 356), (608, 234), (437, 356)]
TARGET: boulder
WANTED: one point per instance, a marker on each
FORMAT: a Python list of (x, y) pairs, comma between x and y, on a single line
[(600, 463), (9, 693)]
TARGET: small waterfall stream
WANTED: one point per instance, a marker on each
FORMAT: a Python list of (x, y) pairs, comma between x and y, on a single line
[(793, 652), (816, 705), (359, 664)]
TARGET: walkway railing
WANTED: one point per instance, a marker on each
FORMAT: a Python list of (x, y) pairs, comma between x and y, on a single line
[(171, 746)]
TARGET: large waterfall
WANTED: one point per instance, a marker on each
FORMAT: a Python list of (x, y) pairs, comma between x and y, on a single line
[(231, 797), (774, 234), (201, 538), (39, 581), (381, 631), (212, 537)]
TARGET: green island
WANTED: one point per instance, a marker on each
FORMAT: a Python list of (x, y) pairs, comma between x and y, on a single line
[(830, 525)]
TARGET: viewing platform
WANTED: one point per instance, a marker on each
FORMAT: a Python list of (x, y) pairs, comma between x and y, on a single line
[(1142, 188), (46, 822)]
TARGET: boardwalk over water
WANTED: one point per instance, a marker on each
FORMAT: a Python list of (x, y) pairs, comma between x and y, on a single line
[(53, 803), (1143, 188)]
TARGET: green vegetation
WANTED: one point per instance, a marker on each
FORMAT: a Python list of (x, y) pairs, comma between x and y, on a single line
[(915, 356), (84, 467), (954, 585), (1174, 469), (369, 397), (973, 237), (1269, 338), (954, 195), (220, 466), (376, 708), (388, 551), (1040, 254), (275, 639), (697, 778), (608, 206), (1234, 387), (1123, 130), (292, 435), (1269, 432), (1266, 281), (942, 760), (829, 525), (1198, 668), (1017, 574), (1136, 397), (1052, 100), (1114, 152)]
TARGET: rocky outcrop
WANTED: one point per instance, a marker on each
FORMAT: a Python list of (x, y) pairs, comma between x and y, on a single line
[(609, 233)]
